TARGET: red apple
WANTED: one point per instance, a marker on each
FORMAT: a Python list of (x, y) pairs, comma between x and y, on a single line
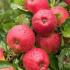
[(67, 1), (36, 5), (44, 22), (50, 44), (61, 13), (36, 59), (2, 54), (21, 38)]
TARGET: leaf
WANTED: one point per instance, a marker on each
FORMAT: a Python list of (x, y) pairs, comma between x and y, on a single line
[(64, 59), (3, 41), (52, 3), (65, 29), (49, 69), (16, 65), (63, 4), (4, 46), (4, 64), (15, 6), (4, 5), (54, 62), (23, 19), (19, 2)]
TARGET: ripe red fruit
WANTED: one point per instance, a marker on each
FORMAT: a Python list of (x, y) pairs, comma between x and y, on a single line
[(35, 5), (61, 13), (50, 43), (21, 38), (8, 68), (1, 54), (67, 1), (36, 59), (44, 22)]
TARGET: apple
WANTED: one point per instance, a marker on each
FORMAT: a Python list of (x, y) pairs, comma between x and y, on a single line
[(50, 44), (36, 5), (44, 22), (67, 1), (21, 38), (36, 59), (61, 13), (2, 54)]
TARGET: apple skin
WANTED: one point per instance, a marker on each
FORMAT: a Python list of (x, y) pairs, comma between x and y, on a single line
[(44, 22), (2, 54), (9, 68), (50, 44), (21, 38), (36, 5), (36, 59), (61, 13), (67, 1)]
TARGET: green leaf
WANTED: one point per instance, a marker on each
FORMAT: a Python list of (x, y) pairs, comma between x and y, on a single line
[(23, 19), (16, 65), (4, 64), (67, 42), (20, 2), (49, 69), (54, 62), (52, 3), (4, 46), (64, 59), (65, 29), (63, 4), (4, 5), (7, 26)]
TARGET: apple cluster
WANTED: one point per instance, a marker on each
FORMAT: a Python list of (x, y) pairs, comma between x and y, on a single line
[(39, 40)]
